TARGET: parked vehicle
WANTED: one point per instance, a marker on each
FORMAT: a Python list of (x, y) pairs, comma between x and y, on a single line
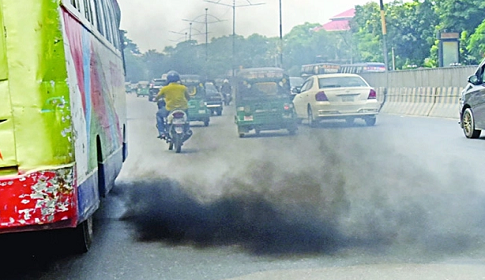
[(198, 110), (214, 99), (472, 104), (178, 128), (263, 101), (336, 96)]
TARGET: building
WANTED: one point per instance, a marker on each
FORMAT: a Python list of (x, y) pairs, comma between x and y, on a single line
[(339, 22)]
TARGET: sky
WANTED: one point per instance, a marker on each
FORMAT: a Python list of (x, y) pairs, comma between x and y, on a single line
[(154, 24)]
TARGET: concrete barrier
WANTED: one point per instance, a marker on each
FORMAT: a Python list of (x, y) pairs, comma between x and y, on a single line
[(423, 100), (394, 100), (447, 103), (381, 95), (409, 101)]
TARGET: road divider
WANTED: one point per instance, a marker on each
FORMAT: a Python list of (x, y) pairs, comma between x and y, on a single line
[(442, 102), (447, 103)]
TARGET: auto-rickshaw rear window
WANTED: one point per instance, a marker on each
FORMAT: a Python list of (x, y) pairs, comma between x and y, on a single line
[(268, 88), (261, 75)]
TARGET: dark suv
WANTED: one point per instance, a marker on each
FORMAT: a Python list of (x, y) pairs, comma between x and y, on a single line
[(213, 98), (155, 87), (472, 104)]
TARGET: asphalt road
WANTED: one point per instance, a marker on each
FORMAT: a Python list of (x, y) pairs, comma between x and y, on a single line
[(401, 200)]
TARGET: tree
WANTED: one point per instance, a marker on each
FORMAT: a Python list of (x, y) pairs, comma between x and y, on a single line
[(462, 16), (366, 27), (411, 31), (133, 60), (476, 44)]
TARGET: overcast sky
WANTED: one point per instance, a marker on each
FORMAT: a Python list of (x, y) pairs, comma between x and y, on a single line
[(154, 24)]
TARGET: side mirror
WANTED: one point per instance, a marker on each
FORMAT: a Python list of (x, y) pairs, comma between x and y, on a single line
[(473, 79)]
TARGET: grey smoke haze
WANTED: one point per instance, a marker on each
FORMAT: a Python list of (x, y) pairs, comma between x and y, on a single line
[(321, 195), (149, 22)]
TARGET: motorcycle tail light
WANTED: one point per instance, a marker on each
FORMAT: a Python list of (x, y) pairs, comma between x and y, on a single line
[(321, 96), (372, 94), (178, 115)]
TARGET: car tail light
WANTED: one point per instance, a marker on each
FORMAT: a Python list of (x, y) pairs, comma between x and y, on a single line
[(321, 96), (178, 115), (287, 106), (372, 94)]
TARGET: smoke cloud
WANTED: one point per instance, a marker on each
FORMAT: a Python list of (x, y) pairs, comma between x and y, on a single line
[(313, 195)]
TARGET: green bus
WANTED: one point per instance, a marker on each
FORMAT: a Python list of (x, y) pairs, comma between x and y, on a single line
[(62, 113)]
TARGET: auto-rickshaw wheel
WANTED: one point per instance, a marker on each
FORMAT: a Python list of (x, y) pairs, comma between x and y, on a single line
[(206, 122), (258, 131), (241, 135)]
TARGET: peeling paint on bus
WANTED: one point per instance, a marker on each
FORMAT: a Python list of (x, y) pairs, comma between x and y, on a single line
[(38, 198)]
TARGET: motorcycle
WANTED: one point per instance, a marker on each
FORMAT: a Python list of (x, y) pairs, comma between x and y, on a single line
[(227, 99), (178, 130)]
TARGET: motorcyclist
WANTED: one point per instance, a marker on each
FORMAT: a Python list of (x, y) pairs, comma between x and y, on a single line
[(226, 91), (175, 97)]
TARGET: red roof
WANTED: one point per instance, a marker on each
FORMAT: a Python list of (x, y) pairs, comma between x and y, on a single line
[(339, 22), (349, 14)]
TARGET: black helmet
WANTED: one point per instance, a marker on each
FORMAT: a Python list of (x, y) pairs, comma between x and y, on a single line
[(173, 77)]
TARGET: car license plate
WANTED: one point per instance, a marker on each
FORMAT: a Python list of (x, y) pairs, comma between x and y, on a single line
[(248, 118), (201, 111), (348, 98)]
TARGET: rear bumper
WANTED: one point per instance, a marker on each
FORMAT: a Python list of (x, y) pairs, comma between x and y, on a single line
[(39, 200)]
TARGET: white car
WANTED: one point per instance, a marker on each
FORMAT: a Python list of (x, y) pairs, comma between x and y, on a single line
[(336, 96)]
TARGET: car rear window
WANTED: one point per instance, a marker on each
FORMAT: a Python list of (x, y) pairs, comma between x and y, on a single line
[(332, 82)]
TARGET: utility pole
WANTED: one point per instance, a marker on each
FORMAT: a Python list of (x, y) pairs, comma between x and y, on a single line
[(234, 6), (206, 36), (384, 34), (206, 22), (281, 37), (190, 32)]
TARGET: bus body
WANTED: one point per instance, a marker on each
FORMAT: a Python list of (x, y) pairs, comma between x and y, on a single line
[(319, 68), (365, 67), (62, 111), (331, 68)]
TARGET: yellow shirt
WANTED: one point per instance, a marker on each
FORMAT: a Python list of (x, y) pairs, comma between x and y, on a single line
[(176, 96)]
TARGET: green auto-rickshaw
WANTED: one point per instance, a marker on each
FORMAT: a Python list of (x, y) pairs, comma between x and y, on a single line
[(142, 88), (198, 110), (263, 101)]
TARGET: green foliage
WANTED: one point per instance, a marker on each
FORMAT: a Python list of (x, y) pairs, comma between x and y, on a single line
[(476, 44), (412, 27)]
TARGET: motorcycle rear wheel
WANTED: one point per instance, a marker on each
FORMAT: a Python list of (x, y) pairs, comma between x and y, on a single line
[(178, 143)]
